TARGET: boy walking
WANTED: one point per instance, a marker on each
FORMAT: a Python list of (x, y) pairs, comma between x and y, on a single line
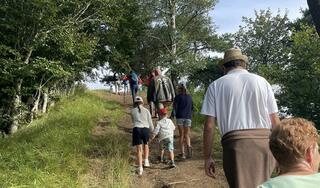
[(165, 128)]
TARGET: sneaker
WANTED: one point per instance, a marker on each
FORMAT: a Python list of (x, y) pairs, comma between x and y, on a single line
[(182, 156), (139, 170), (189, 152), (171, 164), (146, 163)]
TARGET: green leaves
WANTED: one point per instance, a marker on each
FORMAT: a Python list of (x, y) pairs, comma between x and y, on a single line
[(265, 39), (301, 86)]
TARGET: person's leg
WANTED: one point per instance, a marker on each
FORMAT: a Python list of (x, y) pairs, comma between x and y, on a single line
[(171, 155), (186, 132), (136, 87), (181, 139), (146, 155), (139, 155), (161, 155), (132, 93), (170, 148), (139, 159), (157, 108), (188, 141), (152, 109), (115, 87)]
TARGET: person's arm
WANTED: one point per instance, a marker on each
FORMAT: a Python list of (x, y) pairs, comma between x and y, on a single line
[(132, 116), (274, 119), (150, 122), (208, 137), (155, 131)]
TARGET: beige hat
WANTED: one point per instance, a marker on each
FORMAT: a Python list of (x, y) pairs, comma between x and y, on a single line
[(233, 54)]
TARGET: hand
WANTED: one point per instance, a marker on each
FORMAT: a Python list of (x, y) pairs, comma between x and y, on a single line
[(209, 166)]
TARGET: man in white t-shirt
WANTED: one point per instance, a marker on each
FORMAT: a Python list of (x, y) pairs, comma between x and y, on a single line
[(243, 107)]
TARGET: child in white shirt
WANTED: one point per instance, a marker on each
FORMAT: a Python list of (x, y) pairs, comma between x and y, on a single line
[(165, 129)]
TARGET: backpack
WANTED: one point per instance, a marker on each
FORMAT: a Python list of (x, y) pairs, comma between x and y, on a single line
[(133, 78), (164, 89)]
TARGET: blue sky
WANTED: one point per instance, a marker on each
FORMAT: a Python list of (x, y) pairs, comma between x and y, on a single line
[(227, 14)]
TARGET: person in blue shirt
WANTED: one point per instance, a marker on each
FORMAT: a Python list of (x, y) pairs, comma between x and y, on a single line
[(134, 83), (182, 110)]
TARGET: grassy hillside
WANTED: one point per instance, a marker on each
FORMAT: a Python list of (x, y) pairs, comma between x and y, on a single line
[(58, 149)]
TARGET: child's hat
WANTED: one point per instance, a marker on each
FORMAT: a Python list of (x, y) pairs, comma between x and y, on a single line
[(138, 99), (163, 111)]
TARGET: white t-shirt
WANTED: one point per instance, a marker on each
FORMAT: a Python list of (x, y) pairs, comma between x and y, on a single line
[(141, 119), (165, 128), (240, 100)]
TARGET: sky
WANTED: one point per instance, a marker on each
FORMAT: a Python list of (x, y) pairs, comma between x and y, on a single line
[(227, 16)]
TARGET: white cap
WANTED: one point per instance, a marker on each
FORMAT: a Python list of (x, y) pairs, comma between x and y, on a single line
[(138, 99)]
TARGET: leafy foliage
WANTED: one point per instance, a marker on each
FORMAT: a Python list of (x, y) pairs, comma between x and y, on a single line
[(265, 39), (301, 87)]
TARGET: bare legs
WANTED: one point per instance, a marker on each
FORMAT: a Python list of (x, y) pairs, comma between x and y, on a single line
[(146, 151), (184, 138), (139, 155), (139, 148)]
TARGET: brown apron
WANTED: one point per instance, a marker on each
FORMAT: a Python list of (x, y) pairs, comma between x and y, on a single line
[(247, 159)]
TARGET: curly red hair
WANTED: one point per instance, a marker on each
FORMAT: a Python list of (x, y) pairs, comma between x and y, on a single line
[(290, 140)]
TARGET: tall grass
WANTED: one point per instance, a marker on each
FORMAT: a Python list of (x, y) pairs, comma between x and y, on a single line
[(198, 121), (57, 150)]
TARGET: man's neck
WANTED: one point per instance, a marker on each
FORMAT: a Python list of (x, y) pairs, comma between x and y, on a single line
[(233, 69)]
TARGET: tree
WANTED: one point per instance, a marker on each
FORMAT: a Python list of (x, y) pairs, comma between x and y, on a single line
[(203, 77), (46, 46), (306, 19), (301, 87), (265, 39), (123, 40), (185, 32)]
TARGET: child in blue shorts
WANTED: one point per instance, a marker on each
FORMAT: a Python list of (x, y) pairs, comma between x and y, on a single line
[(165, 129)]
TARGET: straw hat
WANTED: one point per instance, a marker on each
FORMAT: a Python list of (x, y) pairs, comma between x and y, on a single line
[(233, 54)]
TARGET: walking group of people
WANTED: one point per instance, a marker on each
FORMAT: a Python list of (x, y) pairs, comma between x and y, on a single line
[(254, 140), (131, 80), (161, 95), (243, 107)]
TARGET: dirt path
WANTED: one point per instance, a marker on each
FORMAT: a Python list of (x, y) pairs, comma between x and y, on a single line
[(187, 174)]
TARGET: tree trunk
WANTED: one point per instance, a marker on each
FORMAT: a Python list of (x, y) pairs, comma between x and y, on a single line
[(314, 6), (45, 100), (72, 89), (16, 108), (173, 38), (35, 107), (17, 102)]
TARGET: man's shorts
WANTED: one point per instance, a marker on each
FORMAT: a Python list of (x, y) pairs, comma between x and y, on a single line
[(140, 136), (184, 122), (167, 144)]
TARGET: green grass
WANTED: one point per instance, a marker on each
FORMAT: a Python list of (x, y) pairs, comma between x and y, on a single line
[(57, 150), (198, 121)]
